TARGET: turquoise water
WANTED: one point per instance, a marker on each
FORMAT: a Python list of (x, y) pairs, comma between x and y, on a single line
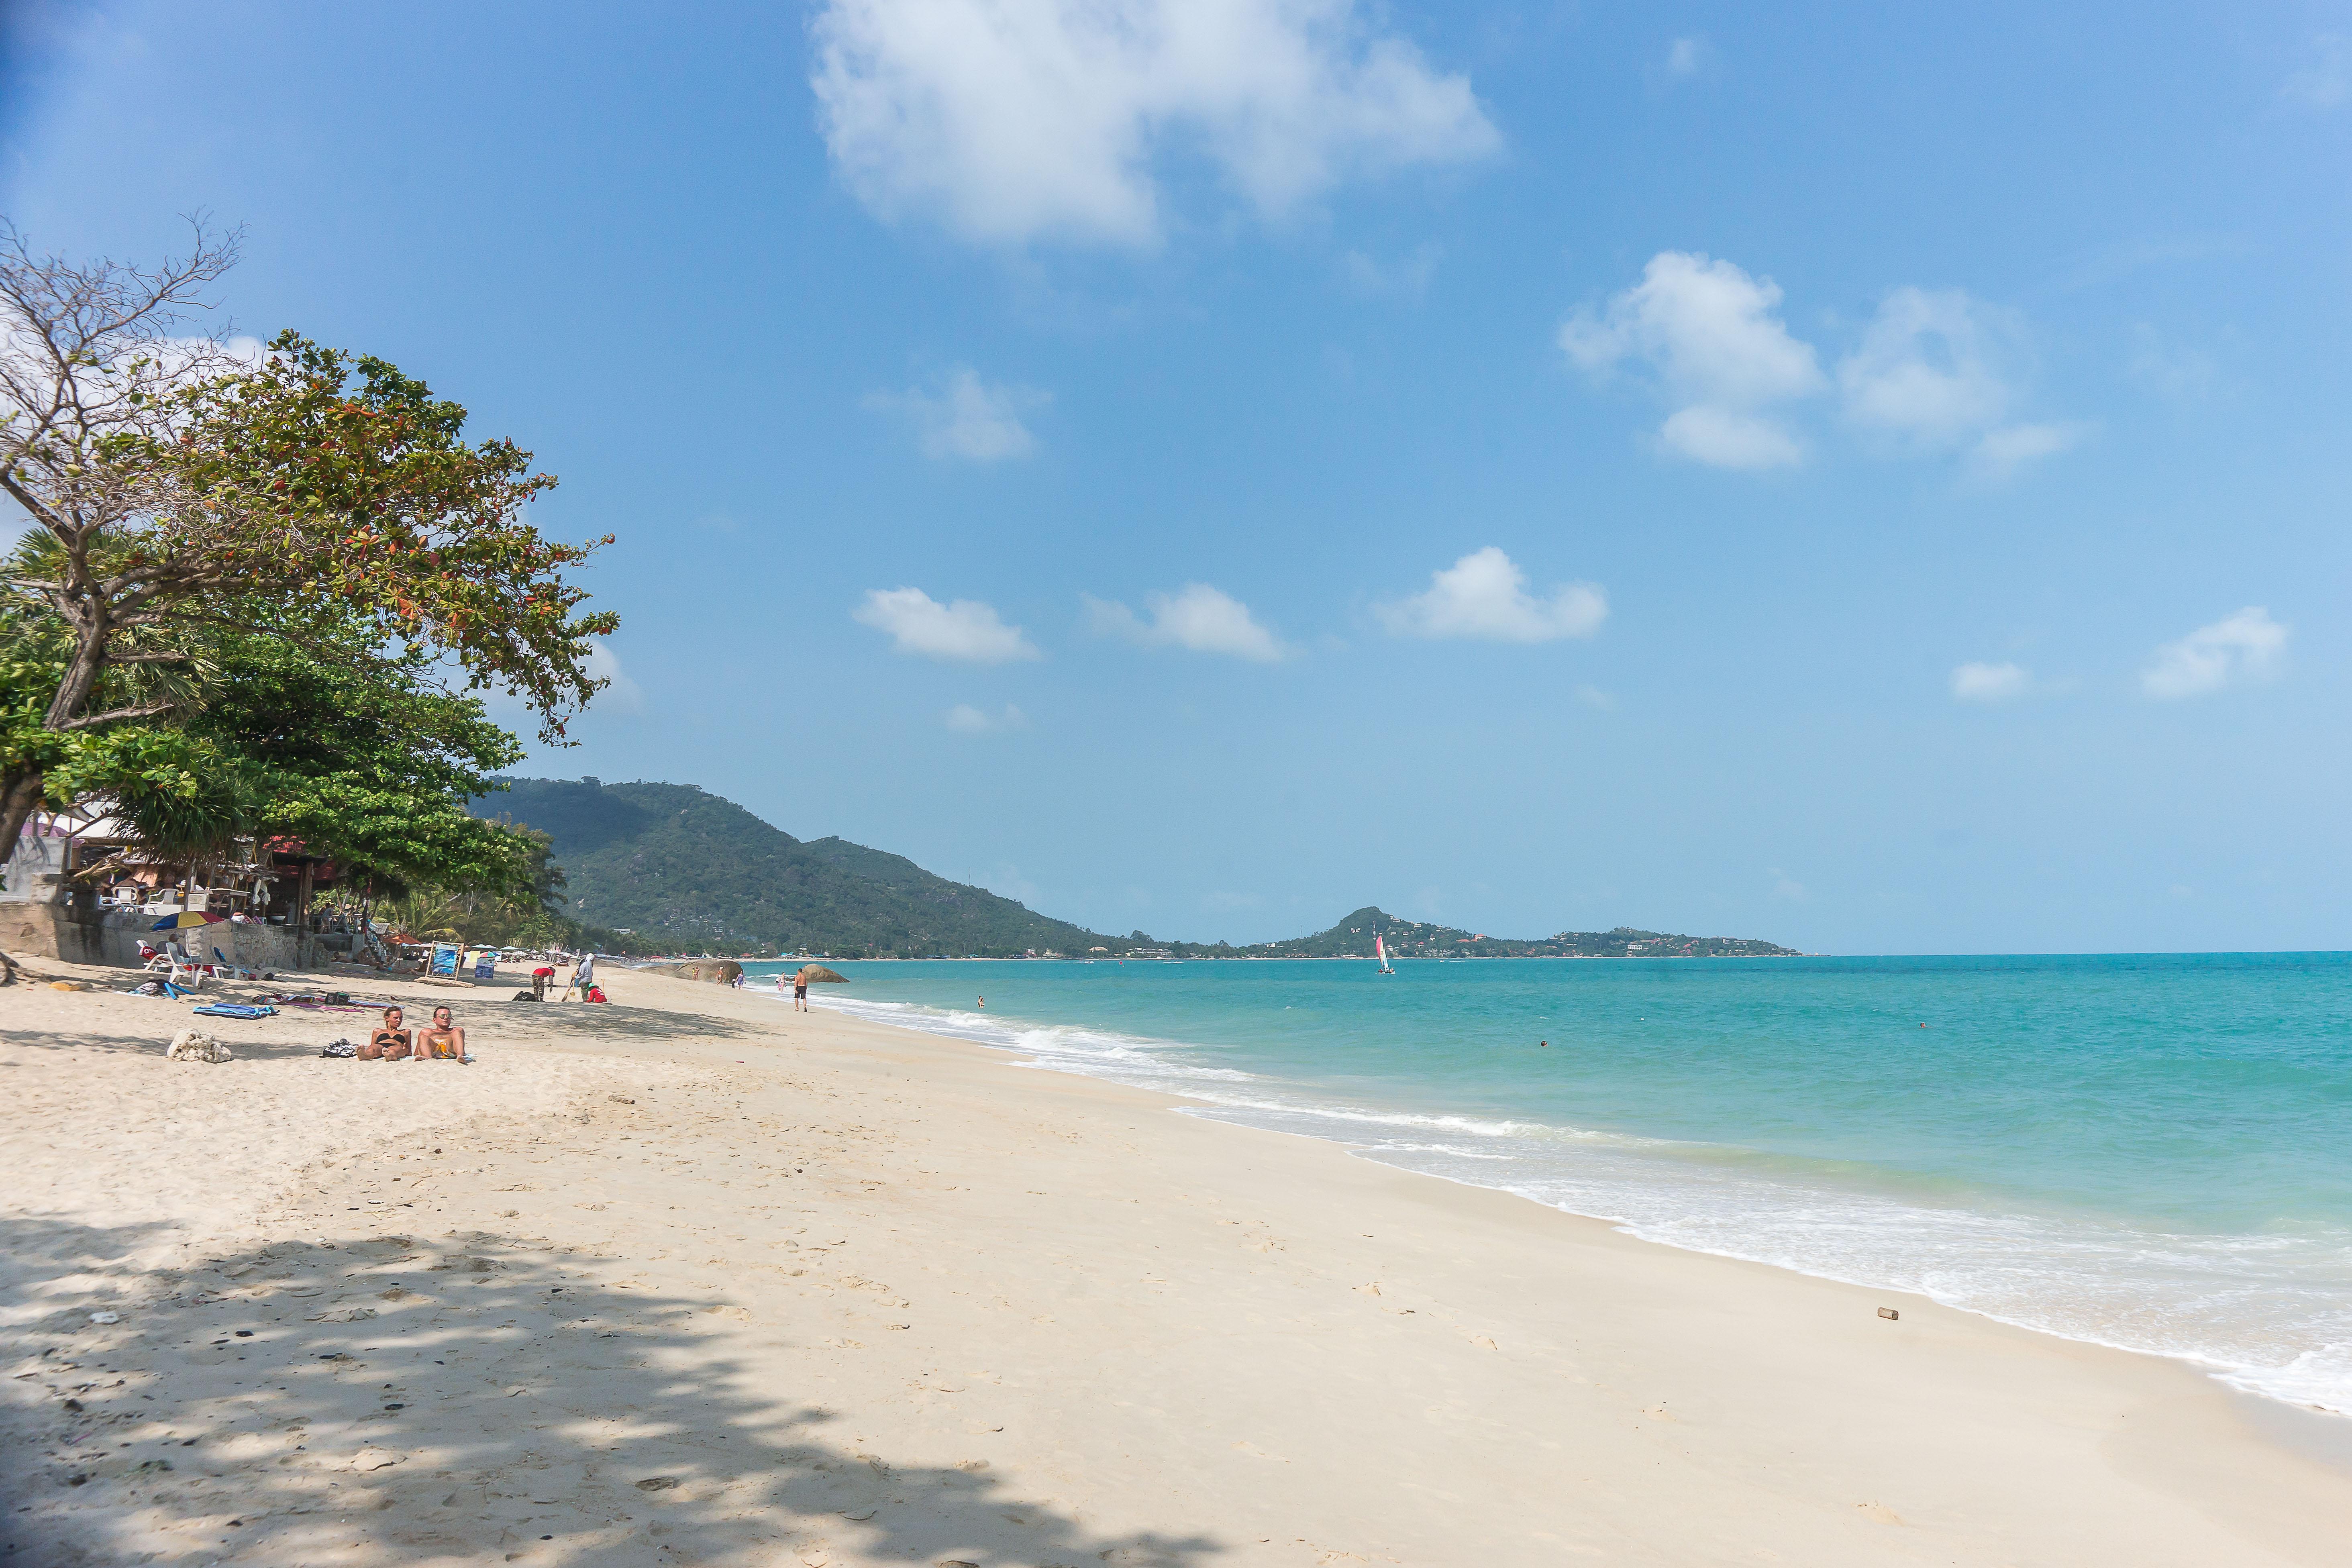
[(2152, 1152)]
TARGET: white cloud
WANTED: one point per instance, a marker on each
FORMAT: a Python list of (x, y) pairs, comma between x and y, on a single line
[(1937, 372), (967, 417), (1685, 55), (1484, 596), (1009, 120), (1200, 618), (966, 629), (1709, 332), (1726, 439), (1927, 370), (2003, 451), (966, 720), (1990, 682), (2247, 645), (2325, 80), (623, 694), (1787, 887)]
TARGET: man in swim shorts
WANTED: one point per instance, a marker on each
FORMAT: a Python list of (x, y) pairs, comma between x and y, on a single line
[(390, 1042), (800, 992), (443, 1042)]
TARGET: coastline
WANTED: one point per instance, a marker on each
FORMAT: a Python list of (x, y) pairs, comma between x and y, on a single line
[(942, 1308)]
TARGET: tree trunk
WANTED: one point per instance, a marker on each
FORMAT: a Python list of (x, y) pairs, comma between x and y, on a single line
[(20, 788), (20, 791)]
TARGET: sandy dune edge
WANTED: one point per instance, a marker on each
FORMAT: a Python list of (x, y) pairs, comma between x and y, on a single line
[(690, 1279)]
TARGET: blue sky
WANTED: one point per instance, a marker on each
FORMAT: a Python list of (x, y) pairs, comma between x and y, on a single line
[(1871, 480)]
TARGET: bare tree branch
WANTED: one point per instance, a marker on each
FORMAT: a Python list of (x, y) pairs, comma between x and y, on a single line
[(114, 715)]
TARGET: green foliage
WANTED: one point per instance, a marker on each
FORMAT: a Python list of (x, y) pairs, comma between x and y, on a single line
[(528, 916), (182, 784), (297, 731), (327, 478), (362, 755)]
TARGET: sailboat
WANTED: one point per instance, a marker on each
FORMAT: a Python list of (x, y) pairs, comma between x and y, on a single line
[(1380, 950)]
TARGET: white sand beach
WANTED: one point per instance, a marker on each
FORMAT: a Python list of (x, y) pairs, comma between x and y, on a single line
[(692, 1278)]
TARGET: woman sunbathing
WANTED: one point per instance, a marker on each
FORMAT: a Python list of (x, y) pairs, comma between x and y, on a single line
[(443, 1042), (390, 1042)]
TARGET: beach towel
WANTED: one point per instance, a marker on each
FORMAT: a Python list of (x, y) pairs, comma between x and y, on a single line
[(236, 1010)]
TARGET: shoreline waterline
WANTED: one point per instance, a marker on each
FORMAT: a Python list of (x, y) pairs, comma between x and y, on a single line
[(2267, 1310)]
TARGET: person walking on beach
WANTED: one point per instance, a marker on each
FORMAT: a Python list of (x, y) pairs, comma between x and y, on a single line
[(800, 992)]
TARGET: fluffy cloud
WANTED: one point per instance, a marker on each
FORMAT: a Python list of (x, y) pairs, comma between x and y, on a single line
[(620, 693), (2011, 447), (967, 417), (1935, 371), (1484, 596), (1201, 618), (1009, 120), (1990, 682), (1709, 332), (966, 720), (2248, 645), (966, 630)]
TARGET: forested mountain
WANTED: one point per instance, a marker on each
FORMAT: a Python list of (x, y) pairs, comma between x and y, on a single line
[(682, 870), (672, 868)]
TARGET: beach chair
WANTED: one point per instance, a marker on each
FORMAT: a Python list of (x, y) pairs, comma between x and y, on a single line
[(185, 971)]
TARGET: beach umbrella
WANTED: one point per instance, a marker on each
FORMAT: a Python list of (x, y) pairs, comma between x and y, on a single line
[(818, 974), (187, 917)]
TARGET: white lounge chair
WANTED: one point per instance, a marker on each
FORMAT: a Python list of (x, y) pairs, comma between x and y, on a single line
[(186, 972)]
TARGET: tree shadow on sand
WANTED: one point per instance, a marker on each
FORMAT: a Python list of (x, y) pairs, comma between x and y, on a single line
[(462, 1399)]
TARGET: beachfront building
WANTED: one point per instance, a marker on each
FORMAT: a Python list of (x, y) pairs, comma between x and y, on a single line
[(77, 886)]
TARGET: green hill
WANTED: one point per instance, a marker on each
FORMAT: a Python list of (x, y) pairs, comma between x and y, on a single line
[(682, 870), (675, 870)]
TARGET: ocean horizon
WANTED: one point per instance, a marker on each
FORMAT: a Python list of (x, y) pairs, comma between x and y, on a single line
[(2147, 1151)]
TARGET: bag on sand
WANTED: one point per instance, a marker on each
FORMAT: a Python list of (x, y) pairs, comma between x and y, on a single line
[(196, 1046)]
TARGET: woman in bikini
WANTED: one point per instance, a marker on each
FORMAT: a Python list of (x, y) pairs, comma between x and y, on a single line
[(390, 1042), (443, 1042)]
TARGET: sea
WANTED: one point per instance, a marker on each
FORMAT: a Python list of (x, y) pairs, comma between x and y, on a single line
[(2152, 1152)]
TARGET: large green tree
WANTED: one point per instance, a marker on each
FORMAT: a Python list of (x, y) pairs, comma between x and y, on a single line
[(180, 481), (359, 753)]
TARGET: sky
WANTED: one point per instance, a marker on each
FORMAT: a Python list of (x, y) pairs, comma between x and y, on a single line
[(1864, 478)]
